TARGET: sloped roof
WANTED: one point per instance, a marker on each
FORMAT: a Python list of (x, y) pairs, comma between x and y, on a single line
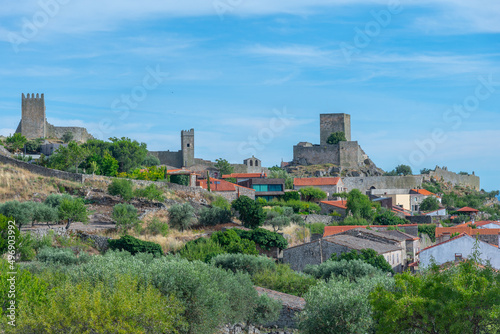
[(424, 192), (339, 204), (332, 230), (360, 243), (219, 185), (244, 175), (316, 181), (292, 302), (467, 209)]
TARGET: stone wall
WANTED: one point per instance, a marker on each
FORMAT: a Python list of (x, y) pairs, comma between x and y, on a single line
[(33, 123), (329, 123), (316, 154), (313, 218), (442, 174), (79, 134), (168, 158), (420, 219), (315, 252), (364, 184), (351, 154), (39, 170)]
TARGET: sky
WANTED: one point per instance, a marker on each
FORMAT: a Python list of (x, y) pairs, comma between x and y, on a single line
[(420, 79)]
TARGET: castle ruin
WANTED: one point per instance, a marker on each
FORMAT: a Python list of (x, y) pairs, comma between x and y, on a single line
[(182, 158), (34, 123), (346, 154)]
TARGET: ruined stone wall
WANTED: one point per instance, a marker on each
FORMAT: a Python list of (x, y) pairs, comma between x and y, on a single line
[(316, 155), (364, 184), (312, 253), (79, 134), (443, 175), (173, 159)]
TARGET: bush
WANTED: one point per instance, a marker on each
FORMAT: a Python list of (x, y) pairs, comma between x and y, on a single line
[(181, 216), (122, 188), (150, 161), (284, 279), (155, 227), (429, 204), (367, 255), (21, 212), (264, 238), (134, 246), (336, 137), (231, 242), (150, 192), (429, 229), (64, 256), (312, 193), (201, 249), (243, 262), (54, 200), (214, 216), (125, 216), (316, 228), (352, 270), (291, 195), (45, 213), (386, 217), (353, 221), (221, 202), (180, 179)]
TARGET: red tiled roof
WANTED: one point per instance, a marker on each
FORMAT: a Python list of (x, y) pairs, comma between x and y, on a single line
[(244, 175), (332, 230), (316, 181), (467, 209), (397, 209), (219, 185), (339, 204), (424, 192)]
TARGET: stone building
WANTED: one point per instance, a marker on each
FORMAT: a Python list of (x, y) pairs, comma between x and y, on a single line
[(182, 158), (34, 123), (228, 190), (346, 154), (330, 185)]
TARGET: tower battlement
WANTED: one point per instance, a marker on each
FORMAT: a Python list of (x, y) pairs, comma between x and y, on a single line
[(33, 123)]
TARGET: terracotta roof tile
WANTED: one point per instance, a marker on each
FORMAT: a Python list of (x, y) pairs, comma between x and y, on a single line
[(423, 192), (467, 209), (339, 204), (316, 181), (219, 185), (244, 175)]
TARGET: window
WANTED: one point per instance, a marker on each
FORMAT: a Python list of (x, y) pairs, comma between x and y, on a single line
[(392, 258), (397, 258), (251, 163), (256, 163), (260, 187), (275, 187), (188, 145)]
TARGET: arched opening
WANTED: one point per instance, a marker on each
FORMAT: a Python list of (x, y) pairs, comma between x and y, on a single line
[(256, 163), (251, 163)]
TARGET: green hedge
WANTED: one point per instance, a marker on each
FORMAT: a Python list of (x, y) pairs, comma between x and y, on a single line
[(134, 246)]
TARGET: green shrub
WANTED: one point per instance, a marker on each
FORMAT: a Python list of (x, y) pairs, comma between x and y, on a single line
[(122, 188), (201, 249), (264, 238), (221, 202), (181, 216), (352, 270), (214, 216), (21, 212), (54, 200), (134, 246), (125, 216), (291, 195), (64, 256), (150, 161), (284, 279), (317, 228), (150, 192), (45, 213), (155, 227), (367, 255), (251, 213), (429, 229), (387, 217), (353, 221), (72, 210), (231, 242), (13, 242), (267, 310), (243, 262), (180, 179), (5, 232)]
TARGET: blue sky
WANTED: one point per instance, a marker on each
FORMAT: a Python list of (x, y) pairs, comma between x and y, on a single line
[(421, 79)]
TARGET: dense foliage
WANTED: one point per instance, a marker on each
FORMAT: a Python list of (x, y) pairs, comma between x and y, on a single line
[(134, 245), (224, 167), (251, 214), (243, 262), (429, 204), (359, 205), (264, 238), (336, 137), (400, 170), (429, 229), (214, 216), (181, 216), (387, 217), (284, 279), (352, 270), (312, 194), (125, 216), (122, 188), (366, 255)]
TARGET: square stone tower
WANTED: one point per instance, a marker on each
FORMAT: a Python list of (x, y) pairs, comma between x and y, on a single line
[(329, 123), (33, 121), (187, 143)]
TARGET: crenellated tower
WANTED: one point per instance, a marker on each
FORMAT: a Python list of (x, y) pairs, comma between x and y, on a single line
[(33, 123), (187, 142)]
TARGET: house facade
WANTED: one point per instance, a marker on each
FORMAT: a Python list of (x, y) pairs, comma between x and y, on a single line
[(228, 190), (268, 189), (330, 185)]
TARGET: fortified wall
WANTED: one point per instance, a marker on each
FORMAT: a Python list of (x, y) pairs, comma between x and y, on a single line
[(443, 175), (34, 123), (365, 184)]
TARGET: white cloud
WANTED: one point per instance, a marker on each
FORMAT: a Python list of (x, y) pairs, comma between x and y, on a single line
[(6, 132)]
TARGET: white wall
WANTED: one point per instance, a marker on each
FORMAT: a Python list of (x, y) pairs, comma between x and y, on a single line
[(464, 245)]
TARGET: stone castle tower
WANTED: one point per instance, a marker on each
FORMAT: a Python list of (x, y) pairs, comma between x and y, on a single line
[(33, 123), (334, 123), (187, 147)]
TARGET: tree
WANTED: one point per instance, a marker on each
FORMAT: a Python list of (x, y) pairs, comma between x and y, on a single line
[(150, 161), (359, 205), (387, 217), (121, 187), (77, 154), (181, 216), (367, 255), (109, 165), (129, 153), (336, 137), (463, 298), (251, 214), (44, 213), (311, 194), (278, 173), (16, 141), (125, 216), (224, 166), (429, 204), (33, 145), (21, 212), (404, 170), (67, 137), (73, 210)]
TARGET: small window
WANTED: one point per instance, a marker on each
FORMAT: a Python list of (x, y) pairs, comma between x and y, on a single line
[(256, 163), (188, 145), (251, 163)]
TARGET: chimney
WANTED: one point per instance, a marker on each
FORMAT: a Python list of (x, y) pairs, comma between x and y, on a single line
[(458, 257), (445, 236)]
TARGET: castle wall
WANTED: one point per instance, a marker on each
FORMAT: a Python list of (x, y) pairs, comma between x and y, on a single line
[(79, 134), (351, 154), (364, 184), (173, 159), (442, 174), (187, 148), (33, 124), (316, 155), (334, 123)]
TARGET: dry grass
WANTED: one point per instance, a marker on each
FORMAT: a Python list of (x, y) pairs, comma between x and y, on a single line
[(22, 185), (296, 235)]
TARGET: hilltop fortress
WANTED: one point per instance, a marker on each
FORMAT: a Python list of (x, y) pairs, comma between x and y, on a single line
[(347, 155), (34, 123)]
